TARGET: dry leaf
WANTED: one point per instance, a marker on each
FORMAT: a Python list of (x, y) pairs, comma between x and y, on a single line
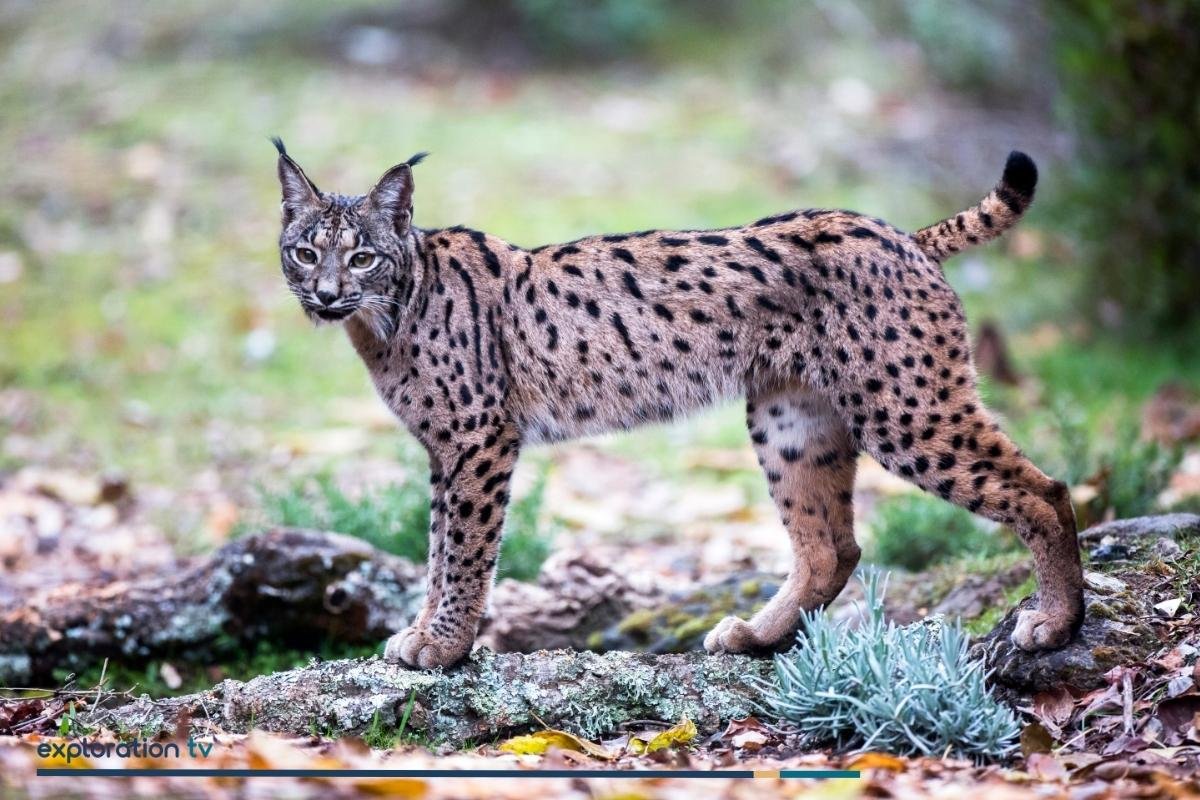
[(746, 733), (878, 761), (1044, 767), (1053, 707), (537, 744), (1169, 608), (680, 734), (749, 740), (392, 787), (1035, 739)]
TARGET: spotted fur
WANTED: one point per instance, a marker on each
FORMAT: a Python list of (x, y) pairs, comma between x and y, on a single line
[(840, 330)]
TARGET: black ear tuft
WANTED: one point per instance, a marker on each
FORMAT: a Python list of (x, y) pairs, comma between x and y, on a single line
[(275, 140), (417, 159)]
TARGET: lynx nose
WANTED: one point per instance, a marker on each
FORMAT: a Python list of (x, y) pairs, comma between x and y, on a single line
[(326, 295)]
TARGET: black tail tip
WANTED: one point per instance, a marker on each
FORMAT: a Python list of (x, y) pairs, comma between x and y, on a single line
[(275, 140), (1020, 173)]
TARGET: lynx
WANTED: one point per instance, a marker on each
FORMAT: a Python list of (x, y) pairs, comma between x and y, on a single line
[(840, 331)]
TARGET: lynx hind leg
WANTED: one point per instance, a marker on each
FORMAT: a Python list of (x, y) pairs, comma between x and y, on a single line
[(809, 460), (964, 457)]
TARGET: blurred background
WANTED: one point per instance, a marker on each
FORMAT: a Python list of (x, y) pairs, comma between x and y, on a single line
[(160, 392)]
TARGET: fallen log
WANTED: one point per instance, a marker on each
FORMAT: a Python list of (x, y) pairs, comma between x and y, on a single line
[(295, 587), (487, 696), (287, 585)]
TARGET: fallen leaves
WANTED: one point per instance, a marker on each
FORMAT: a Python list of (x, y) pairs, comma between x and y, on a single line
[(747, 734), (544, 741), (683, 733), (1054, 707), (539, 742), (878, 761), (1035, 739)]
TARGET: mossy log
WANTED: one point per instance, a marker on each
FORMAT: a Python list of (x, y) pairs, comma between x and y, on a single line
[(487, 696), (285, 585)]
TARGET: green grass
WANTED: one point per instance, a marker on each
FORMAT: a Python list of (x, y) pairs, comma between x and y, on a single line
[(379, 737), (992, 616), (395, 519), (239, 661), (1128, 472), (916, 531)]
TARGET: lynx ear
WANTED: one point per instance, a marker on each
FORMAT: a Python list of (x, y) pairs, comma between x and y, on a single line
[(299, 192), (392, 195)]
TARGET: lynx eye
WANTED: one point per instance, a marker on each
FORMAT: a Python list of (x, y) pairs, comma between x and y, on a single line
[(305, 255), (362, 260)]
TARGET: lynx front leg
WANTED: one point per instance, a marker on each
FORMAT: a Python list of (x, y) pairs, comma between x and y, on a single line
[(473, 494), (437, 537)]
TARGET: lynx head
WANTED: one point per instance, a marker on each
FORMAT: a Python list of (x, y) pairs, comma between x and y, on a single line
[(343, 255)]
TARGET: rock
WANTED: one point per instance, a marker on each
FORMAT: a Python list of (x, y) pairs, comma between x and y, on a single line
[(1110, 549), (1122, 604), (1166, 549), (1113, 634), (573, 598), (487, 696), (1104, 584), (1130, 531), (1170, 607), (678, 623), (975, 594)]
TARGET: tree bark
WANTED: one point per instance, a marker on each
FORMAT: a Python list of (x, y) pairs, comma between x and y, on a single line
[(487, 696)]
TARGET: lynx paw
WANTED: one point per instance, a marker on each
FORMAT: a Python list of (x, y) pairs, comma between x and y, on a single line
[(731, 635), (418, 647), (1037, 630)]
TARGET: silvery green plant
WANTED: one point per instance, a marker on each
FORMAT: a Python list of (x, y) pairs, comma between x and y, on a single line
[(906, 690)]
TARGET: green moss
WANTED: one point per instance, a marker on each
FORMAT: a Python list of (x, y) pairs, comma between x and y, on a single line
[(638, 622), (679, 625), (695, 627), (992, 616)]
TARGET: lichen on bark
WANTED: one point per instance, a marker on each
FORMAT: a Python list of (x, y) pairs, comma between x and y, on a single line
[(487, 696)]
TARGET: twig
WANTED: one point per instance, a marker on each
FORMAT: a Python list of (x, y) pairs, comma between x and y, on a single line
[(1127, 698)]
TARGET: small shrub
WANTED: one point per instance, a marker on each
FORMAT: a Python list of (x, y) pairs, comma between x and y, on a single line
[(916, 531), (395, 519), (525, 546), (910, 690), (1128, 473)]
